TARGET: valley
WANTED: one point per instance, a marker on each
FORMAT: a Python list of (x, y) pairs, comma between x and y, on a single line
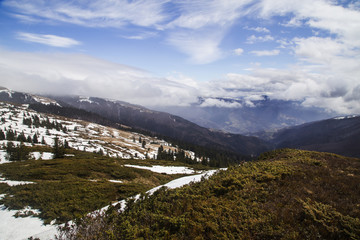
[(65, 157)]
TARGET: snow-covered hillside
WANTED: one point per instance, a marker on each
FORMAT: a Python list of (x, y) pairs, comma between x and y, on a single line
[(42, 129), (22, 126)]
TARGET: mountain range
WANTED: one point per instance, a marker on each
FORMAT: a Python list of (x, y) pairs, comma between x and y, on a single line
[(238, 116), (338, 135)]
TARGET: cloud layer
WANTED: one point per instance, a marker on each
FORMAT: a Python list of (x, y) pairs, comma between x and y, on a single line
[(85, 75)]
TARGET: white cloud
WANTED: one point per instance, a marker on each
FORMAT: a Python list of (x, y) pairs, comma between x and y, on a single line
[(47, 39), (253, 39), (258, 29), (202, 25), (213, 102), (141, 36), (321, 14), (196, 14), (265, 53), (94, 13), (84, 75), (238, 51), (201, 46)]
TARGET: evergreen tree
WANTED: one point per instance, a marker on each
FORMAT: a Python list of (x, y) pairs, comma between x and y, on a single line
[(58, 150), (21, 137), (143, 144), (17, 153), (66, 144), (35, 139), (10, 135), (2, 135)]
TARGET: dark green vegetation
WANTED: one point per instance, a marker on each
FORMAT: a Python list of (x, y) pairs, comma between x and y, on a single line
[(70, 187), (286, 194), (340, 136)]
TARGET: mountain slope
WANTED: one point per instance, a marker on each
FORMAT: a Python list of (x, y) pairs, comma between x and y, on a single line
[(24, 98), (65, 168), (287, 194), (337, 135), (113, 113), (167, 125), (18, 120)]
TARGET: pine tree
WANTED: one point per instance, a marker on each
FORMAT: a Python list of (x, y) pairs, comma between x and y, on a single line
[(58, 150), (66, 144), (21, 137), (35, 139), (2, 135), (10, 135), (17, 153)]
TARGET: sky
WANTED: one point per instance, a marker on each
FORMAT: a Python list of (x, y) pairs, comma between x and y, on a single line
[(170, 53)]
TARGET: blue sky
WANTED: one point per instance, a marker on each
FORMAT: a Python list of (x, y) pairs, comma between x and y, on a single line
[(161, 52)]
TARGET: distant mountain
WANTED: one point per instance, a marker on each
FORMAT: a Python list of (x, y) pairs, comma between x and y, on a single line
[(244, 118), (166, 124), (337, 135), (112, 113), (24, 98)]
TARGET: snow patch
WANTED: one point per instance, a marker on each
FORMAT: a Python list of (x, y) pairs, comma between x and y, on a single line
[(42, 156), (165, 169), (345, 117), (115, 181), (12, 228), (14, 183), (3, 157)]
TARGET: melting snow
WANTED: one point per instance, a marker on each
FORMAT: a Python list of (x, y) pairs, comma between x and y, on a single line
[(12, 228), (14, 183), (115, 181), (165, 169)]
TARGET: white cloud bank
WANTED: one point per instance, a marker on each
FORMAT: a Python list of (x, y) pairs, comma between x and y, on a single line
[(84, 75), (80, 74)]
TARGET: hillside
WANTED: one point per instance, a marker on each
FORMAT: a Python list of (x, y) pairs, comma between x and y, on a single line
[(26, 125), (167, 125), (337, 135), (286, 194), (57, 169)]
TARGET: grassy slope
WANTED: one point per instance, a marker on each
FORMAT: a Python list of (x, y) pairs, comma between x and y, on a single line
[(63, 189), (286, 194)]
